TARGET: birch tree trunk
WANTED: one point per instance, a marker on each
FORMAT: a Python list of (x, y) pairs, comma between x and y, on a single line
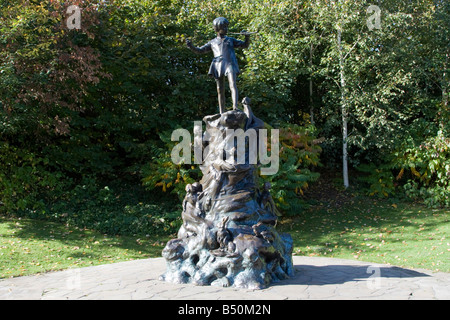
[(311, 105), (344, 110), (445, 109)]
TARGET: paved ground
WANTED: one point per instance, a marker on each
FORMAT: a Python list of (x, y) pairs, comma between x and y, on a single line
[(315, 278)]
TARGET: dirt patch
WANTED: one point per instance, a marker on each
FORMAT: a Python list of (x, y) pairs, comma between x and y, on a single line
[(328, 190)]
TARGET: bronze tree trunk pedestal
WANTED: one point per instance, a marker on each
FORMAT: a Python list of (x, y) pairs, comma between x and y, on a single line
[(228, 236)]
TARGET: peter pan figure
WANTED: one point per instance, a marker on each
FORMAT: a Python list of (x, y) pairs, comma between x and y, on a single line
[(224, 63)]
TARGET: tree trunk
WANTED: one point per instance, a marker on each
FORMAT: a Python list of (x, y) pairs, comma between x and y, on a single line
[(344, 111), (311, 105), (445, 110)]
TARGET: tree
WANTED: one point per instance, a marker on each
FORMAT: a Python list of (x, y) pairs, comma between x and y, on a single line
[(336, 18)]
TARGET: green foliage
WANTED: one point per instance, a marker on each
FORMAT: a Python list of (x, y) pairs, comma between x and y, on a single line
[(379, 179), (422, 172), (299, 154), (97, 103), (171, 178), (122, 208), (26, 181), (115, 210), (430, 170)]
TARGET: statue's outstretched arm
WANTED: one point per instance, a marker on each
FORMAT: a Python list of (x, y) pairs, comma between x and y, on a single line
[(199, 50)]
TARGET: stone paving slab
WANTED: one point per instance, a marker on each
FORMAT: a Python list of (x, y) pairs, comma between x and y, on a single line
[(315, 278)]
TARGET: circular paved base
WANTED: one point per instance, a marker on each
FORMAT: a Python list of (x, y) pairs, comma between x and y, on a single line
[(315, 278)]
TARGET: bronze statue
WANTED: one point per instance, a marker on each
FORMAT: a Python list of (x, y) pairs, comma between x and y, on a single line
[(228, 236), (224, 65)]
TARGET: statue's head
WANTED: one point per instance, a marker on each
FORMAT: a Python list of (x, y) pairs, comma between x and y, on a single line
[(221, 24)]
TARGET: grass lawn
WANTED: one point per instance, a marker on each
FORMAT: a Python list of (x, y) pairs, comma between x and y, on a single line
[(32, 246), (381, 231)]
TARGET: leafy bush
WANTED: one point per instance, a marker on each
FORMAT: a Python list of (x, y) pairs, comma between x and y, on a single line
[(26, 181), (299, 153), (430, 170), (30, 186), (117, 208), (422, 172), (379, 179), (161, 173)]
